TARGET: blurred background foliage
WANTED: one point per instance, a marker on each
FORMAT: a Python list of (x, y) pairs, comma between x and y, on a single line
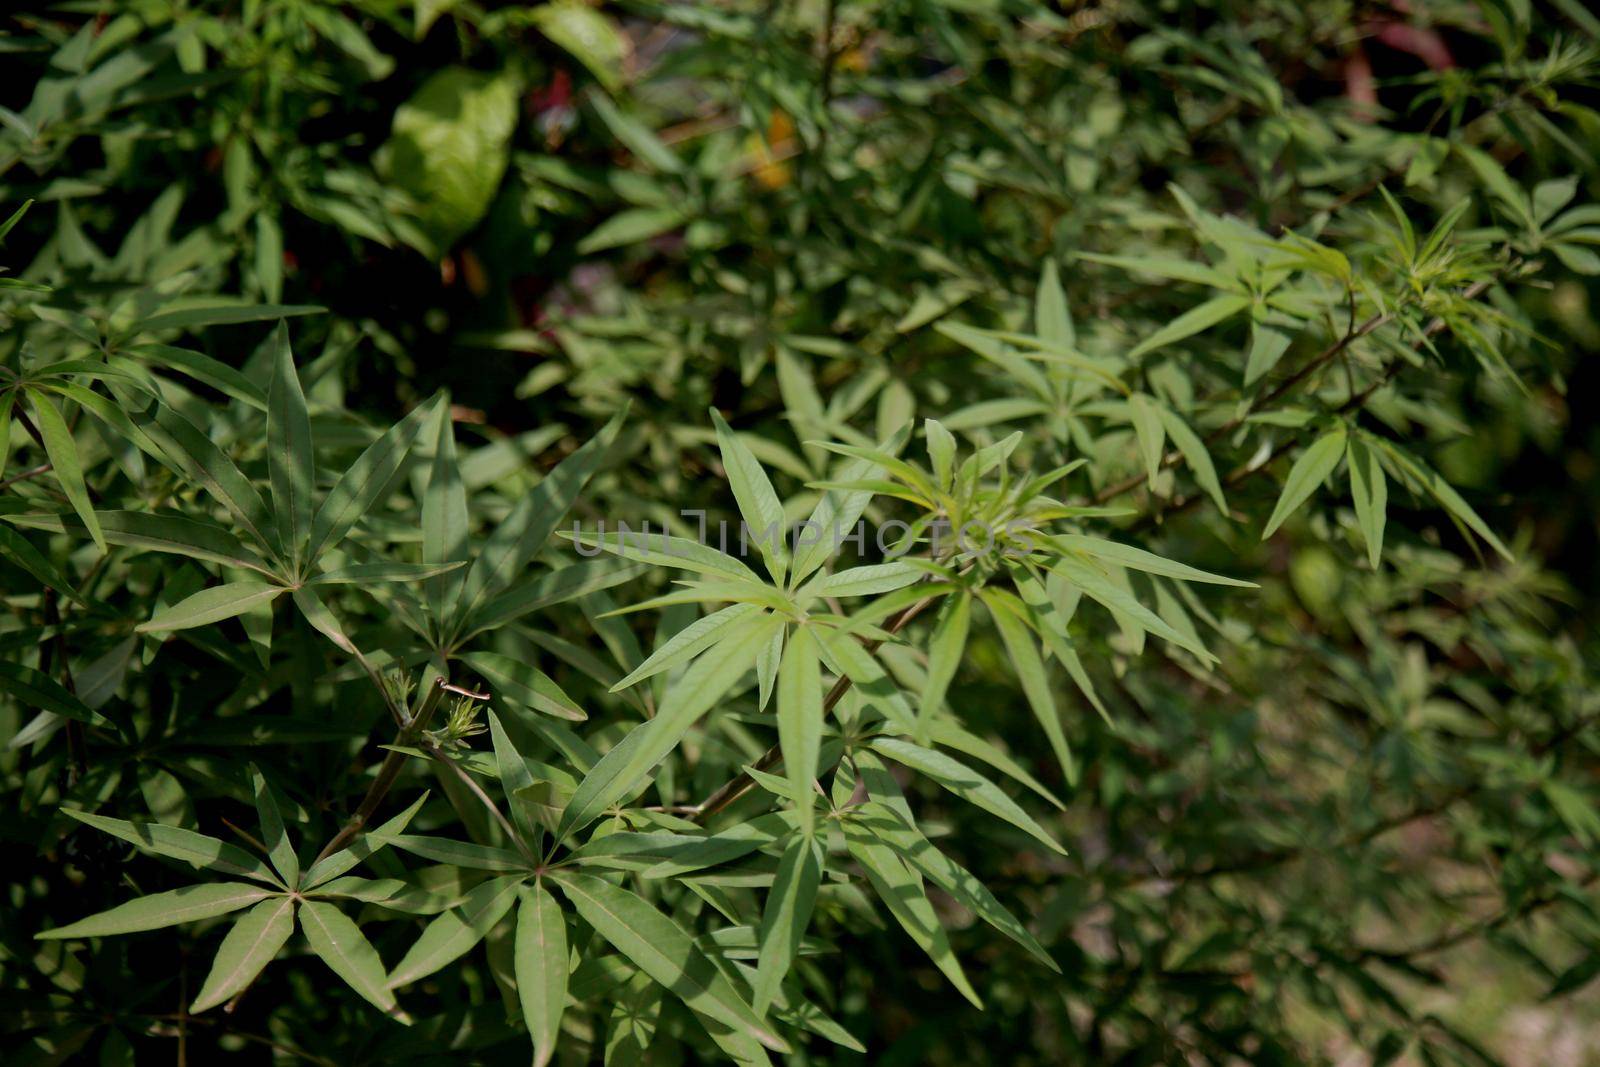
[(1368, 837)]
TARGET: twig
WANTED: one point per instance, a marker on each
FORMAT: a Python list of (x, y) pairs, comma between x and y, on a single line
[(393, 761), (477, 790)]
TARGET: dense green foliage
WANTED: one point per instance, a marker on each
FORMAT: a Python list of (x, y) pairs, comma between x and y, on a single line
[(1251, 721)]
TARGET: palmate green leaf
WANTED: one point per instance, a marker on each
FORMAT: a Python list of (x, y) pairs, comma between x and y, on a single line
[(175, 843), (542, 968), (787, 914), (279, 848), (945, 649), (62, 451), (661, 949), (452, 934), (701, 686), (368, 480), (444, 520), (189, 904), (901, 890), (887, 825), (523, 533), (1310, 470), (965, 783), (1370, 491), (1191, 322), (524, 685), (389, 893), (157, 532), (800, 719), (1046, 618), (212, 605), (343, 947), (759, 507), (290, 451), (250, 945), (33, 689)]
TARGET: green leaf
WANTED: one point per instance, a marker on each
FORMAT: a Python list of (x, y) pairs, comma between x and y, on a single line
[(1370, 490), (1150, 431), (523, 533), (701, 686), (456, 853), (34, 689), (664, 550), (452, 934), (540, 956), (343, 947), (206, 465), (363, 573), (1267, 346), (524, 685), (157, 532), (661, 949), (367, 481), (941, 452), (1192, 322), (212, 605), (887, 826), (1194, 453), (631, 227), (279, 848), (1051, 319), (346, 858), (869, 580), (690, 641), (945, 650), (787, 914), (253, 942), (800, 719), (202, 368), (759, 506), (1009, 618), (224, 315), (191, 903), (1178, 270), (1138, 559), (444, 519), (449, 147), (1119, 601), (1442, 491), (590, 37), (1310, 470), (62, 451), (964, 782), (900, 888), (290, 454), (198, 850)]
